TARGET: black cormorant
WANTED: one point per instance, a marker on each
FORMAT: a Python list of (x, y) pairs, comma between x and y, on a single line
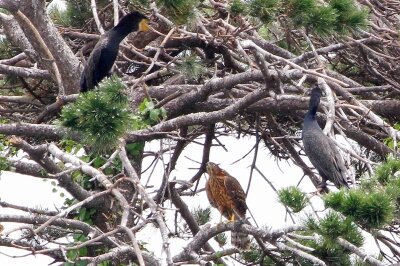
[(105, 52), (320, 149)]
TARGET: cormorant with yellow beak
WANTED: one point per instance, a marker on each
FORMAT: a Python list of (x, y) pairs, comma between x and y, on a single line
[(105, 52)]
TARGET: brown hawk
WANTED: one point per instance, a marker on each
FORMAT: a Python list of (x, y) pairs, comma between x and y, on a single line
[(225, 193)]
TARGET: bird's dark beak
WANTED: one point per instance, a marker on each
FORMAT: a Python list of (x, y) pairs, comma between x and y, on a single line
[(144, 25)]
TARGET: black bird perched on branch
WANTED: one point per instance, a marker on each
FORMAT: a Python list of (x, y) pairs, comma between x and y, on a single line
[(105, 52), (320, 149)]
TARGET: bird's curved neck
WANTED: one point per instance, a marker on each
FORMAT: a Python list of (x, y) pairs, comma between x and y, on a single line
[(119, 33), (313, 107)]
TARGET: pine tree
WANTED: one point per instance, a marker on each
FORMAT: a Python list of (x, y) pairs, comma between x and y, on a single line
[(129, 158)]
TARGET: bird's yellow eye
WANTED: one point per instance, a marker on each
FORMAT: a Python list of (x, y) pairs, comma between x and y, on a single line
[(143, 25)]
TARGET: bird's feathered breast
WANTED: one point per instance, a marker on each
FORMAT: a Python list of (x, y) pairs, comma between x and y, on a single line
[(225, 193)]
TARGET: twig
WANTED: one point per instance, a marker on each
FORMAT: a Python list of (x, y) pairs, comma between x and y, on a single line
[(96, 17), (153, 206), (45, 50), (346, 244)]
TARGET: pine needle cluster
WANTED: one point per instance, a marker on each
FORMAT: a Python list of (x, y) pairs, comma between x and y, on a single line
[(76, 14), (201, 215), (101, 116), (7, 50), (336, 16), (330, 228), (369, 209), (376, 202), (4, 165), (237, 7), (293, 198), (388, 171), (192, 68), (221, 239), (180, 11), (255, 256)]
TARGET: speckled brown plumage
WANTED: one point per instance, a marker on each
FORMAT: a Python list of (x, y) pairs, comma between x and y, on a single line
[(225, 193)]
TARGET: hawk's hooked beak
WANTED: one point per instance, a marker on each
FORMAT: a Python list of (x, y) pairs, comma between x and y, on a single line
[(211, 167)]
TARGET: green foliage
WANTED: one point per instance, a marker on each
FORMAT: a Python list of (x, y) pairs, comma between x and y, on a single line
[(96, 161), (311, 223), (254, 256), (4, 165), (141, 3), (393, 190), (322, 20), (76, 14), (330, 228), (180, 11), (7, 50), (85, 215), (135, 148), (338, 16), (386, 171), (221, 239), (333, 226), (148, 115), (114, 90), (306, 13), (60, 16), (369, 209), (300, 11), (332, 254), (265, 10), (74, 254), (202, 216), (192, 68), (101, 116), (83, 180), (377, 210), (70, 146), (251, 255), (237, 7), (6, 151), (293, 198), (349, 16)]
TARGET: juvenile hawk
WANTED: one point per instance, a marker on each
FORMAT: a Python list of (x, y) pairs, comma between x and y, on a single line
[(225, 193)]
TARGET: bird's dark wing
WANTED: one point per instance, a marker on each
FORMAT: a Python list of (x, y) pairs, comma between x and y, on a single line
[(103, 60), (339, 165), (90, 74), (99, 63), (237, 194), (83, 82), (326, 158)]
